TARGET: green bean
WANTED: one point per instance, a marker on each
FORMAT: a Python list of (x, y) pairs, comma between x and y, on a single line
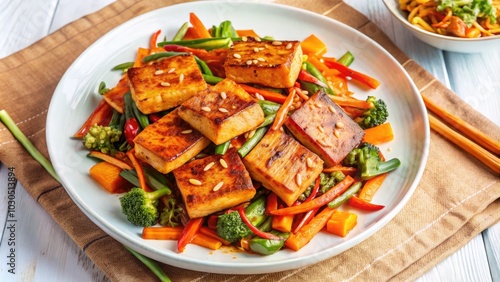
[(346, 59), (210, 79), (123, 66), (203, 66), (337, 202), (310, 68), (268, 107), (252, 142), (221, 149), (156, 56), (181, 32)]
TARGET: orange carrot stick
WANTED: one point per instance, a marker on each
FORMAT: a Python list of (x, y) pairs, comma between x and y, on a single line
[(112, 160), (208, 242), (213, 234), (198, 28), (305, 234), (282, 113), (138, 168), (268, 95), (108, 176), (161, 233), (371, 186), (350, 102)]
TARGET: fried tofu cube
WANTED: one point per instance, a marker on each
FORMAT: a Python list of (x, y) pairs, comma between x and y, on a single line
[(214, 183), (165, 84), (223, 112), (283, 165), (270, 63), (169, 143), (324, 128)]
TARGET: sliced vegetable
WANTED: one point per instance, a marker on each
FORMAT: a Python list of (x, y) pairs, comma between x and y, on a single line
[(361, 204), (361, 77), (161, 233), (100, 116), (208, 242), (340, 223), (319, 201), (110, 159), (337, 202), (282, 113), (379, 134), (198, 28), (371, 187), (190, 230), (252, 141), (254, 229), (313, 45), (179, 35), (108, 176), (268, 95), (305, 234)]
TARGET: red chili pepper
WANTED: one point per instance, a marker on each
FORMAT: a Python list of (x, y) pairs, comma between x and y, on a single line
[(361, 77), (130, 130), (153, 118), (361, 204), (314, 191), (307, 77), (154, 39), (305, 220), (254, 229), (272, 202), (101, 116), (191, 228)]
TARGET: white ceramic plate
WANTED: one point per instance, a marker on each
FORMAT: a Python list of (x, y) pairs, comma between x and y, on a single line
[(447, 43), (76, 97)]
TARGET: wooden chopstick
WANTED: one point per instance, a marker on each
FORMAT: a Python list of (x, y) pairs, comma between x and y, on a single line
[(466, 129), (472, 148)]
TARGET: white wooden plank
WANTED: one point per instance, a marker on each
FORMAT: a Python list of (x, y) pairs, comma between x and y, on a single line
[(23, 23)]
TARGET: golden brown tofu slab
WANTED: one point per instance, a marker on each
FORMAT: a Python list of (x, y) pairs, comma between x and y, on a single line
[(214, 183), (165, 84), (283, 165), (270, 63), (169, 143), (324, 128), (223, 112)]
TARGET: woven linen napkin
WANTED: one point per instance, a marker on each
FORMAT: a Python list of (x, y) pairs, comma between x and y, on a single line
[(445, 212)]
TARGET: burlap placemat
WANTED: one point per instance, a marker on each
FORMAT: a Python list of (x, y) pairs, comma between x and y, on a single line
[(448, 208)]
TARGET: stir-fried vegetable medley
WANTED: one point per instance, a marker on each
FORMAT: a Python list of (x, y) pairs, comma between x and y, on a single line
[(221, 136)]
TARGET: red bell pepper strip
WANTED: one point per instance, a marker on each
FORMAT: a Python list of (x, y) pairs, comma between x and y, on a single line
[(320, 201), (361, 204), (272, 202), (305, 219), (307, 77), (154, 39), (201, 53), (314, 191), (100, 116), (254, 229), (191, 228), (361, 77)]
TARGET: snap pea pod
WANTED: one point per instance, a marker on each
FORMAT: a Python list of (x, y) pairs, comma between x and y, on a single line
[(337, 202), (252, 142), (203, 43), (221, 149), (123, 66), (210, 79), (225, 29), (268, 107), (268, 247), (156, 56), (181, 32), (310, 68), (203, 66), (346, 59)]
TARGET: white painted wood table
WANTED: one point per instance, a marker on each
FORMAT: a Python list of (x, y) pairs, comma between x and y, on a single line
[(46, 253)]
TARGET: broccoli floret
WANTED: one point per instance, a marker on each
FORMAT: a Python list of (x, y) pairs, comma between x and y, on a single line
[(375, 115), (102, 138), (367, 159), (140, 206), (230, 226), (171, 213)]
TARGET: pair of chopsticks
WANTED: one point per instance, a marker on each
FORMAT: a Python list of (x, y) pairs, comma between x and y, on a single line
[(479, 145)]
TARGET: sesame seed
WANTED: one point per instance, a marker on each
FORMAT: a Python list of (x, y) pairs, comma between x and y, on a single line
[(187, 131), (336, 133), (348, 78), (200, 155), (171, 70), (257, 39), (319, 106), (277, 43), (288, 46), (260, 97), (244, 38), (208, 166), (158, 72), (251, 134), (164, 83), (298, 179), (256, 50), (223, 110), (321, 129), (218, 186), (309, 162), (223, 163), (195, 181), (206, 109), (255, 61), (332, 109), (261, 59), (389, 149), (339, 124), (322, 142), (181, 77), (223, 95), (237, 56), (249, 62)]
